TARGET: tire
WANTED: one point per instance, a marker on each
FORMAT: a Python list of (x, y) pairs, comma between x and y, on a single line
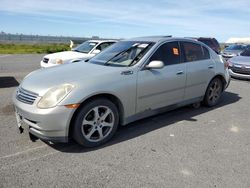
[(213, 92), (95, 123)]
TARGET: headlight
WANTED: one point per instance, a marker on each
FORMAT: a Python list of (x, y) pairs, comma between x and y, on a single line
[(59, 61), (54, 96)]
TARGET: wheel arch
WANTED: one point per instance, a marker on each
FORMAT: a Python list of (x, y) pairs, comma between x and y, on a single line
[(222, 78), (114, 99)]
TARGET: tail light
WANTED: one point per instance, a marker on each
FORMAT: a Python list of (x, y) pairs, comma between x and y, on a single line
[(230, 63), (226, 65)]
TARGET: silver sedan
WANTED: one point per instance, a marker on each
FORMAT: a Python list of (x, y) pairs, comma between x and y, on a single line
[(131, 80), (239, 66)]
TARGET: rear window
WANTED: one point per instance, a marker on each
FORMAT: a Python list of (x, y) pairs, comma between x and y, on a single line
[(194, 52)]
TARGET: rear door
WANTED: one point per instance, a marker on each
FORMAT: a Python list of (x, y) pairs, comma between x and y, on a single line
[(157, 88), (200, 69)]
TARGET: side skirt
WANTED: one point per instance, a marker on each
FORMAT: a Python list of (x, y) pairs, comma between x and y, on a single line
[(150, 112)]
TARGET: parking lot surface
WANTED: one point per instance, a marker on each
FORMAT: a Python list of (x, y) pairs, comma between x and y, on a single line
[(187, 147)]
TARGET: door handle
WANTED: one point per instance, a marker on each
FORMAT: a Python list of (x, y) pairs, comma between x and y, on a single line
[(180, 72), (127, 72), (211, 66)]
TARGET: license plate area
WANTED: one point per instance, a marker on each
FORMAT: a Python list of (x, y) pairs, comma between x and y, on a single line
[(19, 120)]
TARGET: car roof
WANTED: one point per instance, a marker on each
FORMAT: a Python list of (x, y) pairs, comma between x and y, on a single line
[(157, 39), (103, 40)]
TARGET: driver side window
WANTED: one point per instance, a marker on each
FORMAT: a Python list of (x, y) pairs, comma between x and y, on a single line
[(168, 53)]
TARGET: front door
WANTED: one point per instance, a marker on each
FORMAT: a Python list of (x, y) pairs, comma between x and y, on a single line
[(158, 88)]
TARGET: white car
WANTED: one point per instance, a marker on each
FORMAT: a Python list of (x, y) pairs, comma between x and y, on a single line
[(84, 51)]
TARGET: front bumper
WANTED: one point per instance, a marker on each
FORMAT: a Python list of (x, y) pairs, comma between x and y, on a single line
[(47, 124), (238, 75)]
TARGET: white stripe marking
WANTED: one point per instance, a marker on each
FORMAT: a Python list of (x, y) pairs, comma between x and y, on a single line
[(4, 55), (22, 152)]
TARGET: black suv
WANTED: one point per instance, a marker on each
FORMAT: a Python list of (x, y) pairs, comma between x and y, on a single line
[(211, 42)]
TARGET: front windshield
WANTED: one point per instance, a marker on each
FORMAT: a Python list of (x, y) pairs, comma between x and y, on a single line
[(85, 47), (124, 53), (245, 53), (236, 47)]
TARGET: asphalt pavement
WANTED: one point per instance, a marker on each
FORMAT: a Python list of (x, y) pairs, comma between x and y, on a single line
[(187, 147)]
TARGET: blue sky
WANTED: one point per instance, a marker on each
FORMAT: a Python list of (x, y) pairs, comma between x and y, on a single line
[(124, 19)]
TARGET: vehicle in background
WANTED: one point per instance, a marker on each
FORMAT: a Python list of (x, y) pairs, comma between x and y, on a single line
[(84, 51), (239, 66), (233, 50), (130, 80), (211, 42)]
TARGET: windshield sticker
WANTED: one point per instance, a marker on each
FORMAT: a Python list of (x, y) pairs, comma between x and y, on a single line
[(175, 51), (143, 46), (92, 44), (136, 44)]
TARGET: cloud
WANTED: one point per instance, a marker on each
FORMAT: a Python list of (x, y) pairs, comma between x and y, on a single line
[(194, 17)]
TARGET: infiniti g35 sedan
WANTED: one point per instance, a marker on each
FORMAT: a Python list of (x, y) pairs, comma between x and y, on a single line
[(130, 80), (84, 51)]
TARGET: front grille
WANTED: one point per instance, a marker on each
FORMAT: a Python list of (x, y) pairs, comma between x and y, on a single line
[(241, 70), (45, 60), (26, 96)]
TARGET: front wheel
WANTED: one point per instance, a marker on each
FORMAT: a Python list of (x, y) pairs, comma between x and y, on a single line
[(213, 93), (96, 123)]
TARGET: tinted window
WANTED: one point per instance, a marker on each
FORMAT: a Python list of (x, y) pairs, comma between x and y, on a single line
[(194, 52), (245, 53), (168, 53), (206, 54)]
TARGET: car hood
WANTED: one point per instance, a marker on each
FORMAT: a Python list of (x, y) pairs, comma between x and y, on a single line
[(66, 55), (242, 60), (40, 81)]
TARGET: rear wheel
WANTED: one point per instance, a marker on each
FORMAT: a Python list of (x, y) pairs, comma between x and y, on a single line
[(96, 123), (213, 93)]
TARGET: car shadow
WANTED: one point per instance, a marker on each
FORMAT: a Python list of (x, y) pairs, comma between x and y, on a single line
[(149, 124), (8, 81)]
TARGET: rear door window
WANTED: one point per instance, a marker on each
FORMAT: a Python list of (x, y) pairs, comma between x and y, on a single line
[(194, 52), (206, 54), (168, 53)]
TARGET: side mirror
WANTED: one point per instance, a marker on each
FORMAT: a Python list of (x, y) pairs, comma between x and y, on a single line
[(155, 65), (96, 51)]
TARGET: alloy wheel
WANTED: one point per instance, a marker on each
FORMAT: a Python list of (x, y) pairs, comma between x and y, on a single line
[(214, 92), (98, 123)]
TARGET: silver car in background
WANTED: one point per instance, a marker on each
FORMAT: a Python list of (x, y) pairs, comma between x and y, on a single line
[(131, 80), (239, 66), (233, 50)]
